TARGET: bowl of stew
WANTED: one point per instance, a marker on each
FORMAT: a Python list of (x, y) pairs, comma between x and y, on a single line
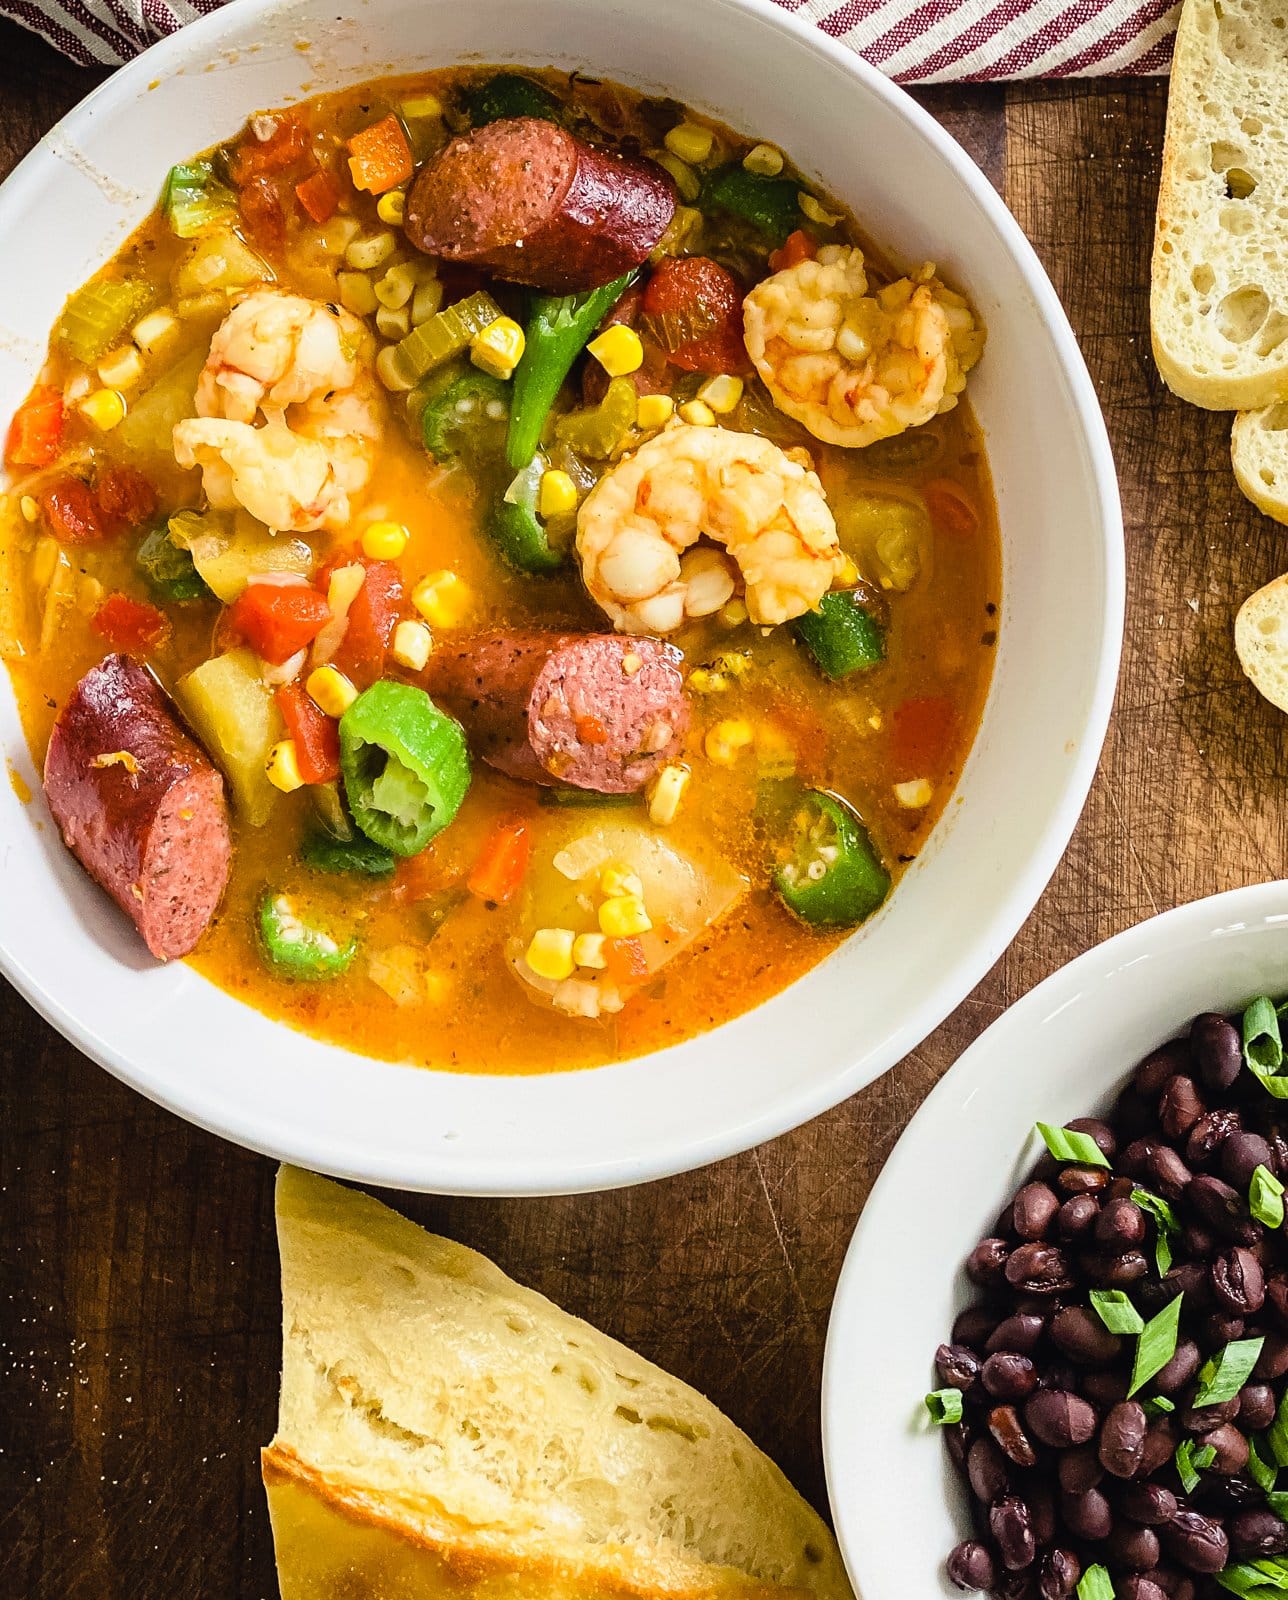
[(560, 604)]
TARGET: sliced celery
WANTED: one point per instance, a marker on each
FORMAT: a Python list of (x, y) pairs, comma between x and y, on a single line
[(194, 198), (446, 334), (96, 316)]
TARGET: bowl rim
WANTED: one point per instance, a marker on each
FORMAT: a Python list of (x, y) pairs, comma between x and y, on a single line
[(799, 1102), (1233, 912)]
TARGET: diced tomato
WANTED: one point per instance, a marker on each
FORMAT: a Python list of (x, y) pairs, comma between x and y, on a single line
[(951, 508), (316, 736), (36, 431), (502, 862), (380, 157), (71, 511), (373, 616), (797, 247), (318, 195), (124, 497), (626, 960), (277, 619), (261, 209), (131, 624), (286, 145), (695, 292), (921, 736)]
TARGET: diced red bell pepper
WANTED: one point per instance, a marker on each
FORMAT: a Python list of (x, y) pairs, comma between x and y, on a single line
[(951, 508), (124, 497), (921, 736), (316, 736), (129, 624), (261, 209), (71, 511), (380, 157), (286, 145), (319, 195), (797, 247), (373, 616), (36, 432), (502, 863), (696, 291), (626, 960), (277, 619)]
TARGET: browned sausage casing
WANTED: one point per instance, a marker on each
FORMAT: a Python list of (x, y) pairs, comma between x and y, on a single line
[(590, 710), (539, 206), (139, 804)]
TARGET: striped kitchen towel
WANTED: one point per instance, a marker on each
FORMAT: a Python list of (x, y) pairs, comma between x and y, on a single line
[(913, 41)]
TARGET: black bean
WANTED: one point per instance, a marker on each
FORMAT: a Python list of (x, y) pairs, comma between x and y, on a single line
[(1241, 1155), (1218, 1050), (1088, 1515), (1012, 1529), (1122, 1440), (1076, 1215), (1273, 1360), (1220, 1327), (971, 1565), (1058, 1575), (1101, 1132), (1082, 1180), (1222, 1208), (1135, 1159), (1147, 1503), (1133, 1547), (974, 1325), (1257, 1407), (1196, 1240), (1059, 1375), (987, 1472), (1179, 1107), (1139, 1586), (1120, 1226), (1009, 1376), (1204, 1418), (1179, 1369), (958, 1367), (1196, 1542), (1160, 1446), (1079, 1469), (1190, 1279), (1209, 1133), (1033, 1210), (1079, 1334), (1238, 1282), (1038, 1269), (1254, 1535), (1174, 1583), (1277, 1297), (1020, 1331), (1152, 1074), (986, 1263), (1105, 1388), (1017, 1585), (1059, 1418), (957, 1437), (1167, 1173), (1117, 1272), (1231, 1449), (1005, 1426)]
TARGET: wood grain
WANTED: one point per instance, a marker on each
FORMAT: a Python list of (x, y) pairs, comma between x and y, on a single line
[(138, 1295)]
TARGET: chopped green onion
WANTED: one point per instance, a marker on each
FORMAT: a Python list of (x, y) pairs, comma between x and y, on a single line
[(1262, 1472), (1158, 1405), (1095, 1584), (1255, 1580), (1067, 1145), (1263, 1049), (944, 1406), (1116, 1311), (1277, 1434), (1221, 1378), (1277, 1500), (1156, 1344), (194, 198), (1165, 1224), (1266, 1198), (1190, 1462)]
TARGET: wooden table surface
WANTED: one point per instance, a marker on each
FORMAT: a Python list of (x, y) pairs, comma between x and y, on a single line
[(138, 1276)]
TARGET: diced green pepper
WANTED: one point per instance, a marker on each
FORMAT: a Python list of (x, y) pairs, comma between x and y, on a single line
[(515, 528), (405, 766), (325, 853), (559, 327), (297, 949), (509, 95), (471, 407), (194, 198), (597, 431), (834, 876), (769, 204), (843, 636), (168, 569)]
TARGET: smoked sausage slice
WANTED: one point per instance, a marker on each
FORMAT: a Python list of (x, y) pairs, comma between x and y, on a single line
[(589, 710), (139, 804), (537, 205)]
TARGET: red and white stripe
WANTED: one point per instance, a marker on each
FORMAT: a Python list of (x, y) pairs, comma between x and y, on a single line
[(912, 41)]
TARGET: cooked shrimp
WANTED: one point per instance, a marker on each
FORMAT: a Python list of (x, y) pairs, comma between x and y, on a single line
[(772, 534), (854, 366), (287, 413)]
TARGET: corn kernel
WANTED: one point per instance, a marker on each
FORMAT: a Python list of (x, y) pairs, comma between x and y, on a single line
[(775, 753), (421, 106), (498, 347), (588, 950), (391, 371), (365, 254), (154, 330), (703, 681), (391, 207), (330, 690), (391, 324), (558, 493), (357, 293), (848, 574), (412, 645), (338, 234), (665, 794), (721, 393), (283, 766), (765, 160), (549, 953), (30, 508), (121, 369), (427, 301), (442, 599), (623, 917), (619, 877), (811, 208), (915, 795), (103, 409), (687, 182), (690, 142), (654, 411), (398, 285), (734, 613), (727, 739), (384, 541), (698, 413), (618, 350)]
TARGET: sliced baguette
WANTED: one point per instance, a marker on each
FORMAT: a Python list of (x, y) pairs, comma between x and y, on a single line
[(1219, 302), (444, 1431), (1261, 639), (1259, 451)]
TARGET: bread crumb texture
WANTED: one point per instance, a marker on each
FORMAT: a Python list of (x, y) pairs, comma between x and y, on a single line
[(1219, 305), (443, 1430)]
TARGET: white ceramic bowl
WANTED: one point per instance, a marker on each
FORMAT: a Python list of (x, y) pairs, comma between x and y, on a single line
[(176, 1038), (1062, 1051)]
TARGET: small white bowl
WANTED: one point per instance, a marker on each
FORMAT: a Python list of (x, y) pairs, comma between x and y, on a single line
[(198, 1051), (1062, 1051)]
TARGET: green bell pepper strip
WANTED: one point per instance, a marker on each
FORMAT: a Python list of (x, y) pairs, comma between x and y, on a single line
[(559, 327), (461, 411), (296, 949), (510, 95), (769, 204), (834, 877), (515, 528), (404, 764), (842, 635), (168, 569), (325, 853)]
